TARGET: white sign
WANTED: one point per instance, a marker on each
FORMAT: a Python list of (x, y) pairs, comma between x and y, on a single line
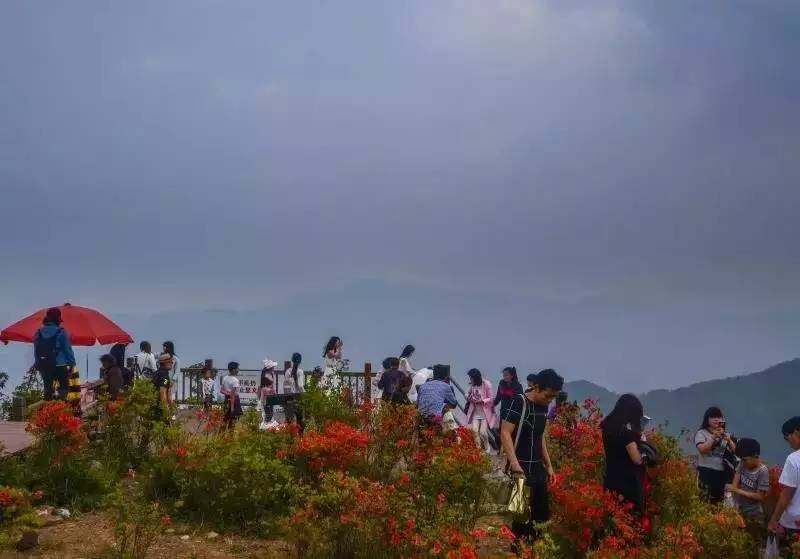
[(248, 387)]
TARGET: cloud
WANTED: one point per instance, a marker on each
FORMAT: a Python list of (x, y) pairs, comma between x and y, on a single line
[(233, 157)]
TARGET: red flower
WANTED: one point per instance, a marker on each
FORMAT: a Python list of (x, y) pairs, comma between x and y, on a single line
[(166, 520), (479, 533), (507, 534)]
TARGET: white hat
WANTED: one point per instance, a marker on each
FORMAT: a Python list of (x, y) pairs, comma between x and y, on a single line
[(270, 364)]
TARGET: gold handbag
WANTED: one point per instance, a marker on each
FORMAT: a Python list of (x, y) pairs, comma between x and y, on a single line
[(520, 500), (519, 497)]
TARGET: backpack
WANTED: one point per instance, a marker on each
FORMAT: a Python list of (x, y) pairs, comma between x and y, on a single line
[(47, 352)]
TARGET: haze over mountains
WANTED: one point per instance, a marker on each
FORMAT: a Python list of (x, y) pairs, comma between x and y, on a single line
[(650, 344), (754, 405)]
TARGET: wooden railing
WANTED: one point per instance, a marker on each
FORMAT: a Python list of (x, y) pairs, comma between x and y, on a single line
[(359, 383)]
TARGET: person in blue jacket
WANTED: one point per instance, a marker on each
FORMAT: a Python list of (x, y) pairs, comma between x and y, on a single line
[(54, 356)]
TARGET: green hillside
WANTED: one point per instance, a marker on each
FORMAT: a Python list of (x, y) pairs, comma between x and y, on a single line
[(755, 405)]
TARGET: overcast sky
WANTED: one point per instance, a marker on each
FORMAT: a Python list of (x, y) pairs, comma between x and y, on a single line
[(188, 155)]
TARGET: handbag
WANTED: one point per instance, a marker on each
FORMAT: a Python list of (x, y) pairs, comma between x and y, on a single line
[(772, 551), (519, 492), (520, 499)]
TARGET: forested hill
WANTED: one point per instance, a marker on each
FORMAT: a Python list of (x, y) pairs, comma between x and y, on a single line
[(755, 405)]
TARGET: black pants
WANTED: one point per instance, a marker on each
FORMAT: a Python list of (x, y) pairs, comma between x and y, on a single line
[(59, 374), (540, 505), (631, 488), (712, 484)]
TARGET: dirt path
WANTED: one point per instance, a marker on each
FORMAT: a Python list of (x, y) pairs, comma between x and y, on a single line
[(90, 535)]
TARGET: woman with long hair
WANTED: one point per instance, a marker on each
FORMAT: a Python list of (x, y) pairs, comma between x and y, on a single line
[(622, 431), (331, 374), (294, 383), (480, 408), (508, 387), (712, 442), (405, 365), (175, 367), (266, 388)]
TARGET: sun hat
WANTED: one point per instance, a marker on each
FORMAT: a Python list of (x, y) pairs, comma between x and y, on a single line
[(270, 364)]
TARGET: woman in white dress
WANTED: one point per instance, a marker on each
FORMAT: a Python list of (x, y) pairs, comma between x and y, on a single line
[(405, 365), (331, 374)]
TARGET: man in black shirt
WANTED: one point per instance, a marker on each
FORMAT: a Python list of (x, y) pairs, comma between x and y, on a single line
[(529, 457), (390, 379)]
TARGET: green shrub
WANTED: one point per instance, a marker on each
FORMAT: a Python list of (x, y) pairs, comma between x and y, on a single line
[(322, 406), (231, 480), (137, 521), (128, 429)]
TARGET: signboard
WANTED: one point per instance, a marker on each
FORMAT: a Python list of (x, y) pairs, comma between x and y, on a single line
[(248, 387)]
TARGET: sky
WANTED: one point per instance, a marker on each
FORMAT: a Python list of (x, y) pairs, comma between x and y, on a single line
[(625, 171)]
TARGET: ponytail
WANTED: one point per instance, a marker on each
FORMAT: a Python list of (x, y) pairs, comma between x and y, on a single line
[(296, 359)]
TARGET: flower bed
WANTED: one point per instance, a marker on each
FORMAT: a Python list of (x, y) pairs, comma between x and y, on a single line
[(363, 483)]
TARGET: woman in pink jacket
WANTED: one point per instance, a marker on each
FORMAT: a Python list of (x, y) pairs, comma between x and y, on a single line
[(480, 412)]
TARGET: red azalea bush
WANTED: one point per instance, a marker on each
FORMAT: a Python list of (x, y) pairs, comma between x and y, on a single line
[(57, 431), (59, 460), (337, 446), (587, 521), (385, 488), (13, 503)]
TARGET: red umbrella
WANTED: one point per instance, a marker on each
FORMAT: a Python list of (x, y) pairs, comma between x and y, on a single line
[(86, 327)]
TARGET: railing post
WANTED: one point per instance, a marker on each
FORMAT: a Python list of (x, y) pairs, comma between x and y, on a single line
[(367, 382)]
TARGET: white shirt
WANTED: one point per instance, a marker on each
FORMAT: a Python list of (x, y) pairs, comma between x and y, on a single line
[(208, 387), (230, 385), (406, 367), (790, 477), (289, 386), (420, 377), (146, 360)]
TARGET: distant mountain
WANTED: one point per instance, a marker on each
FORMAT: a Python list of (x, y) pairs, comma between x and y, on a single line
[(755, 405)]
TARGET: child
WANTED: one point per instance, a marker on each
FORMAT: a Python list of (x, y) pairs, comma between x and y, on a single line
[(207, 386), (230, 388), (750, 487)]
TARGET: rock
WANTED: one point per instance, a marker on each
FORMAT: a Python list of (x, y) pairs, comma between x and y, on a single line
[(185, 537), (212, 536), (63, 513), (50, 520), (28, 540), (169, 531)]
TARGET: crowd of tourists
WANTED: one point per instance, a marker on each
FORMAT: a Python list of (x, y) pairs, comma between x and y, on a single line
[(511, 421)]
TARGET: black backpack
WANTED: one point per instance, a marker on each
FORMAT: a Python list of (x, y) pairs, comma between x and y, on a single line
[(47, 352)]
